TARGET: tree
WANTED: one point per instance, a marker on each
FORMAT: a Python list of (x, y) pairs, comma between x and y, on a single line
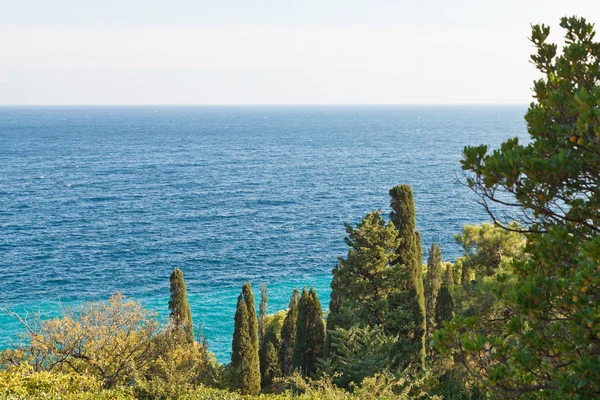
[(357, 353), (270, 367), (244, 356), (310, 333), (444, 311), (113, 341), (432, 287), (262, 311), (444, 307), (409, 303), (361, 284), (288, 335), (181, 313), (488, 248), (548, 343), (449, 275)]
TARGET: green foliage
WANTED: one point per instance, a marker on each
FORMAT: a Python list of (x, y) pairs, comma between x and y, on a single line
[(310, 333), (178, 362), (23, 382), (408, 304), (288, 335), (404, 386), (275, 322), (269, 357), (27, 385), (244, 356), (262, 310), (181, 313), (357, 353), (449, 275), (112, 341), (451, 386), (548, 343), (444, 308), (432, 286), (362, 284), (489, 249)]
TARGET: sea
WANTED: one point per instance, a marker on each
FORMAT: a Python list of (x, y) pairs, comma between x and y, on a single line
[(95, 200)]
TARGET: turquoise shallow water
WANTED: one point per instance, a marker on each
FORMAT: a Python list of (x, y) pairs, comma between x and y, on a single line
[(99, 199)]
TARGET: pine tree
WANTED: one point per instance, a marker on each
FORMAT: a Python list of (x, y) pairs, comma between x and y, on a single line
[(288, 335), (547, 344), (181, 313), (432, 287), (262, 311), (408, 306), (310, 333), (244, 355), (361, 285), (269, 357)]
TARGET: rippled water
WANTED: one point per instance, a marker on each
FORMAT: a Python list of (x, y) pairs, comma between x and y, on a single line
[(99, 199)]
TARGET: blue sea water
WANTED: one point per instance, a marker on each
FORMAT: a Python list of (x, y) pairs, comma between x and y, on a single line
[(95, 200)]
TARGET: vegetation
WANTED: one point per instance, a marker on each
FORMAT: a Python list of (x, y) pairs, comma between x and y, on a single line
[(262, 311), (432, 288), (244, 355), (181, 314), (408, 304), (546, 342), (516, 316), (363, 282), (310, 333), (288, 335)]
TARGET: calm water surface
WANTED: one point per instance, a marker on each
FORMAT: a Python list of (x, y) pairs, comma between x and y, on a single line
[(101, 199)]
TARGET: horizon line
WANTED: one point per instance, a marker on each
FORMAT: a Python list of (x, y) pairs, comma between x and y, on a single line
[(271, 104)]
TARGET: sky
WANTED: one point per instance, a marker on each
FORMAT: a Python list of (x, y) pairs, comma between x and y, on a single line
[(83, 52)]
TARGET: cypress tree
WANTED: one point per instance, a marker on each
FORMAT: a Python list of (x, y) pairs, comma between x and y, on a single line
[(181, 313), (244, 355), (288, 335), (241, 338), (409, 303), (444, 308), (444, 311), (432, 287), (269, 357), (262, 311), (310, 333), (449, 277)]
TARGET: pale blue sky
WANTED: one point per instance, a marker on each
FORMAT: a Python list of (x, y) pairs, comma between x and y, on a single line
[(272, 52)]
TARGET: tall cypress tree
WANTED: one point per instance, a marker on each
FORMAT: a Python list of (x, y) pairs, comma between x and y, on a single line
[(181, 313), (288, 335), (244, 355), (241, 336), (270, 367), (444, 308), (410, 301), (310, 333), (262, 311), (432, 287), (449, 277), (444, 311)]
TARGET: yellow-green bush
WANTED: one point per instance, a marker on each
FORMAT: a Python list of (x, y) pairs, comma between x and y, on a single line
[(24, 383)]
